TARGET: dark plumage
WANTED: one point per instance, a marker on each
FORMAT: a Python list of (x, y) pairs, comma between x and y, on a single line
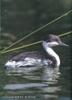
[(32, 54)]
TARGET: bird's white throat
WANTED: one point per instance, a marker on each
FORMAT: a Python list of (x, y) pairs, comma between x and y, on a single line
[(51, 52)]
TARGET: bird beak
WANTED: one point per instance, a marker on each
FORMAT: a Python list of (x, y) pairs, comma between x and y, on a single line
[(63, 44)]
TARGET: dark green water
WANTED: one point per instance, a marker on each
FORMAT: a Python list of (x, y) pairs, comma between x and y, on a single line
[(19, 18), (58, 88)]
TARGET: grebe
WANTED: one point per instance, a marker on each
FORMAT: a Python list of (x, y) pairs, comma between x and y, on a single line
[(36, 58)]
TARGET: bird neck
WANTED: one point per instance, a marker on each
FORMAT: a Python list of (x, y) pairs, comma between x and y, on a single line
[(52, 54)]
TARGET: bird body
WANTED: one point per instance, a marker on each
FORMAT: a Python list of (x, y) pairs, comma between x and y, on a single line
[(37, 58)]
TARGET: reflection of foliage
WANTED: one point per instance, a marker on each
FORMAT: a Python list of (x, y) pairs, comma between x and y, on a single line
[(21, 16), (6, 40)]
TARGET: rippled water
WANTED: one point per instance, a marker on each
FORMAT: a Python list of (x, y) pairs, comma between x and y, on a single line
[(37, 83)]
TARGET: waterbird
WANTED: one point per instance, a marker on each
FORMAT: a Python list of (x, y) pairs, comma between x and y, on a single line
[(37, 58)]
